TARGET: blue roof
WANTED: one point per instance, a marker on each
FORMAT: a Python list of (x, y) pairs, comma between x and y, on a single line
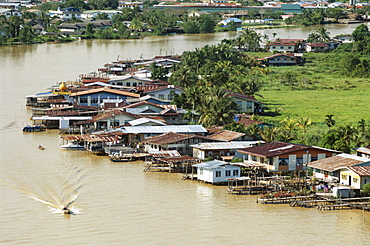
[(234, 19)]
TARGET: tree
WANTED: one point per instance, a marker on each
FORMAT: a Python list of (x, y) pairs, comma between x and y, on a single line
[(206, 24), (303, 123), (330, 122), (360, 33), (103, 4), (190, 27)]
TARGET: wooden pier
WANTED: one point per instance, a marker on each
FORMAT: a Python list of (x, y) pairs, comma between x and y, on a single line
[(287, 199), (321, 202)]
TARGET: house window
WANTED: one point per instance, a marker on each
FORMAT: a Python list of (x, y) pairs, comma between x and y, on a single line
[(161, 96), (282, 47), (83, 100), (94, 100), (299, 160), (218, 174), (134, 84), (314, 158), (355, 180), (128, 84), (239, 103), (228, 173), (180, 149), (273, 47), (235, 172), (283, 162), (289, 48), (201, 171)]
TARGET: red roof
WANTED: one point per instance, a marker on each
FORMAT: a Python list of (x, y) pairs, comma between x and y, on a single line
[(318, 45)]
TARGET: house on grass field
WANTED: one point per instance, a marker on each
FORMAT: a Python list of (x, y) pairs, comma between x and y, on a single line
[(284, 157), (282, 60), (216, 171)]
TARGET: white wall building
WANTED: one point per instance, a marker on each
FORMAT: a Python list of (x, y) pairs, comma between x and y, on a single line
[(216, 171)]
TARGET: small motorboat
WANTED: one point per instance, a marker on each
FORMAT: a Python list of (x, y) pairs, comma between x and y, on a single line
[(66, 210), (72, 146), (41, 147)]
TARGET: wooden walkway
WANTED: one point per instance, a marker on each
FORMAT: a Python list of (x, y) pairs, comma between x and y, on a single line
[(279, 200)]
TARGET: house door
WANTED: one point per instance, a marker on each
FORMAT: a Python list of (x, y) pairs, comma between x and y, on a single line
[(349, 179)]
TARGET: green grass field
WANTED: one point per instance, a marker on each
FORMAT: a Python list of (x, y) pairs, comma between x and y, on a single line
[(318, 89)]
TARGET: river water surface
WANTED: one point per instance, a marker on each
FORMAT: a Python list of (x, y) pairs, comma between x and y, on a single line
[(117, 203)]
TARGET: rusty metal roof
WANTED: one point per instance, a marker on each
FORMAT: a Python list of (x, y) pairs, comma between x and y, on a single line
[(170, 137), (360, 170), (334, 163), (226, 135), (280, 148), (91, 138)]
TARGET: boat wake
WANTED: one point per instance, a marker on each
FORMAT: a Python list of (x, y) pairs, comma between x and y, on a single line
[(58, 198)]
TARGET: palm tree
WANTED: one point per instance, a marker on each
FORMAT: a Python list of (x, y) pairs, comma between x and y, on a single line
[(289, 126), (324, 35), (303, 123), (330, 122), (270, 134)]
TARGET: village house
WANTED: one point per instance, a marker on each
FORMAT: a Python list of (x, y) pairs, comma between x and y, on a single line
[(227, 21), (284, 157), (165, 92), (247, 104), (131, 5), (328, 169), (10, 12), (108, 120), (216, 171), (317, 47), (96, 96), (356, 176), (91, 14), (363, 151), (173, 141), (136, 134), (344, 38), (197, 13), (282, 60), (285, 45), (220, 150), (128, 81), (66, 14)]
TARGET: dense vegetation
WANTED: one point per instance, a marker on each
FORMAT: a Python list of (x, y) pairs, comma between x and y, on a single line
[(321, 103)]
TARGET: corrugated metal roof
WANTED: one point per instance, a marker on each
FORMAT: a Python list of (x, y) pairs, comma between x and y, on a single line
[(211, 164), (226, 145), (280, 148), (164, 153), (337, 162), (163, 129), (145, 120), (360, 170), (226, 135), (363, 150)]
